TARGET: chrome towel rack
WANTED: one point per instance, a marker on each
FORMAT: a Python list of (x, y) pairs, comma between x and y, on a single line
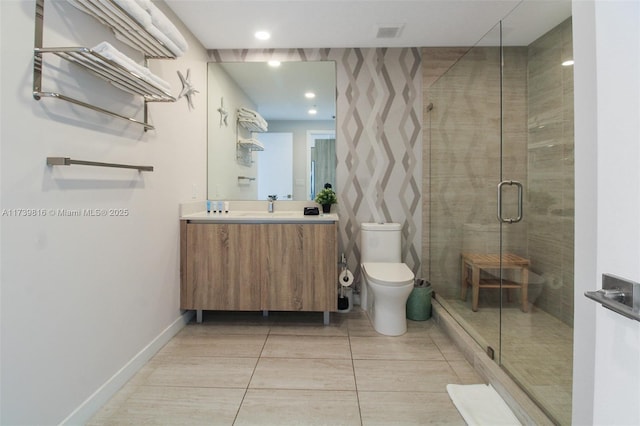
[(66, 161), (109, 13)]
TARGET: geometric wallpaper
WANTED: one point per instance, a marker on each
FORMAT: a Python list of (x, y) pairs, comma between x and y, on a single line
[(378, 139)]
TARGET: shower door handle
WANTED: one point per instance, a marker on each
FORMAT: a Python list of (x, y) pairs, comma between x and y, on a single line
[(520, 191)]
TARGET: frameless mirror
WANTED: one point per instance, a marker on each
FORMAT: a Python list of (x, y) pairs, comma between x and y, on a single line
[(294, 156)]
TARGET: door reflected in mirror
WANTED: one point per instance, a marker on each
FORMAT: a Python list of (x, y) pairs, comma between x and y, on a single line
[(295, 154)]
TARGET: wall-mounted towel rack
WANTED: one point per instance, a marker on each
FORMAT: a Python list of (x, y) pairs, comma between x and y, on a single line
[(124, 25), (251, 144), (246, 178), (99, 65), (66, 161)]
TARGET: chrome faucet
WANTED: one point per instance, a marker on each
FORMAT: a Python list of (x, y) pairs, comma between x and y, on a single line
[(271, 198)]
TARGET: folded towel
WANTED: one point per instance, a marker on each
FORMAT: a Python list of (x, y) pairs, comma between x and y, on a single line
[(252, 120), (247, 112), (133, 9), (252, 125), (106, 8), (109, 52), (161, 22), (147, 15)]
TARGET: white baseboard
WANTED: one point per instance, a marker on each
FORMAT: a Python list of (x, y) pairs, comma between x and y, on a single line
[(104, 393)]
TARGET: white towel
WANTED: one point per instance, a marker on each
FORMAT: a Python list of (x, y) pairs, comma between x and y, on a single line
[(147, 15), (159, 35), (253, 119), (247, 112), (133, 9), (108, 51), (253, 124), (161, 22), (481, 405)]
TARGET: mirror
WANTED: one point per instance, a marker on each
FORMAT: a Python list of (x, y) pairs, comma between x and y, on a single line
[(295, 156)]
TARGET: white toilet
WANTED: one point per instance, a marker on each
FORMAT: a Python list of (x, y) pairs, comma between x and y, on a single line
[(387, 281)]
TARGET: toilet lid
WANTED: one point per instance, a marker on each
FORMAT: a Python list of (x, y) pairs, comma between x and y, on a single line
[(388, 272)]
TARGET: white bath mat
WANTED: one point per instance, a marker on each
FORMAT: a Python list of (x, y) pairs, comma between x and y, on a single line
[(480, 405)]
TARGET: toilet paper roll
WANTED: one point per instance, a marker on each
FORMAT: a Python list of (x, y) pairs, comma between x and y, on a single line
[(345, 278)]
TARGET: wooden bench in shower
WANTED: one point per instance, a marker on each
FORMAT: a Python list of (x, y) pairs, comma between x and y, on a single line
[(472, 266)]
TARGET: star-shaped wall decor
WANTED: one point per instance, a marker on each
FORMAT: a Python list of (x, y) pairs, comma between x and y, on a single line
[(187, 88), (224, 114)]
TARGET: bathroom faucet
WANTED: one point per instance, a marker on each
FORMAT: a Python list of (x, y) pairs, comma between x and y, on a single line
[(271, 198)]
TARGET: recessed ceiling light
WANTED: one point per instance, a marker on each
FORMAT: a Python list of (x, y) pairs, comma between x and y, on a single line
[(313, 111), (262, 35), (567, 63), (274, 63), (309, 95)]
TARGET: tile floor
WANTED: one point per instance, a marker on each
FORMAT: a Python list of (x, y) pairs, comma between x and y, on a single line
[(289, 369)]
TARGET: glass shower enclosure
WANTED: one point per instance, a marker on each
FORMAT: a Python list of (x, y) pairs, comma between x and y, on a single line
[(499, 126)]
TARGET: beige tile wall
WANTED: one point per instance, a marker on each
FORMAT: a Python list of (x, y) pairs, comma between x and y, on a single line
[(461, 153), (551, 170), (462, 157)]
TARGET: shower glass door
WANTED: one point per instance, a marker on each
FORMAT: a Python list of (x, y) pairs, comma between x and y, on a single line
[(537, 97), (499, 125)]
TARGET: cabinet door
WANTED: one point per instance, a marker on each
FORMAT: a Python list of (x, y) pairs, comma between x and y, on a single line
[(320, 267), (223, 266), (301, 269)]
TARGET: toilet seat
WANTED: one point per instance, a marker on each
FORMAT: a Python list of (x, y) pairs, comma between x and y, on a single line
[(388, 274)]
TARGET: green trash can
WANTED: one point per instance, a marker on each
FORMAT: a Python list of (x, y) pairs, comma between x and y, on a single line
[(419, 302)]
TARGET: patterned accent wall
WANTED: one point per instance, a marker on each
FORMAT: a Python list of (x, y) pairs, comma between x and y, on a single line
[(378, 139)]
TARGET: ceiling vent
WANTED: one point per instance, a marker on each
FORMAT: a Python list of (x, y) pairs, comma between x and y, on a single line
[(389, 30)]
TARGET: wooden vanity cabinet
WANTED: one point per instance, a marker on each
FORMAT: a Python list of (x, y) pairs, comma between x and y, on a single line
[(300, 267), (265, 266), (220, 265)]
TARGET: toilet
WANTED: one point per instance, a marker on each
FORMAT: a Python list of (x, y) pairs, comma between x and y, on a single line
[(387, 281)]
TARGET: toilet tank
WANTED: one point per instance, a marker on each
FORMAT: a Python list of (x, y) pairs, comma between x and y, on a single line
[(380, 242)]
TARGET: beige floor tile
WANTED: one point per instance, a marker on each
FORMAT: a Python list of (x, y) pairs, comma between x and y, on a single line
[(221, 345), (392, 375), (307, 347), (203, 372), (207, 368), (465, 372), (298, 407), (333, 329), (287, 373), (210, 329), (151, 405), (361, 327), (408, 408), (400, 347), (448, 348)]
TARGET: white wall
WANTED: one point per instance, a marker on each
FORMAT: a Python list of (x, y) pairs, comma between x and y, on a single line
[(607, 70), (81, 296)]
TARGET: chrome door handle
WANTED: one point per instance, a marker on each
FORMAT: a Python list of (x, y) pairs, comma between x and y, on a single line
[(520, 192)]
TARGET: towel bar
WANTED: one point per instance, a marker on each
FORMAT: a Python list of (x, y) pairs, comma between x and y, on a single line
[(66, 161)]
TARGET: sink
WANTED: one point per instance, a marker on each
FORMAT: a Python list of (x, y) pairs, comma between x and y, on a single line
[(276, 214)]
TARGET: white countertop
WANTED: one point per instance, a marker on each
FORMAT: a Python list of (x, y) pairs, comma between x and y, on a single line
[(254, 216)]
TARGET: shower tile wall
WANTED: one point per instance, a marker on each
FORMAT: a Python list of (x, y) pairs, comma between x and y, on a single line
[(551, 170), (378, 139), (462, 157), (461, 141)]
